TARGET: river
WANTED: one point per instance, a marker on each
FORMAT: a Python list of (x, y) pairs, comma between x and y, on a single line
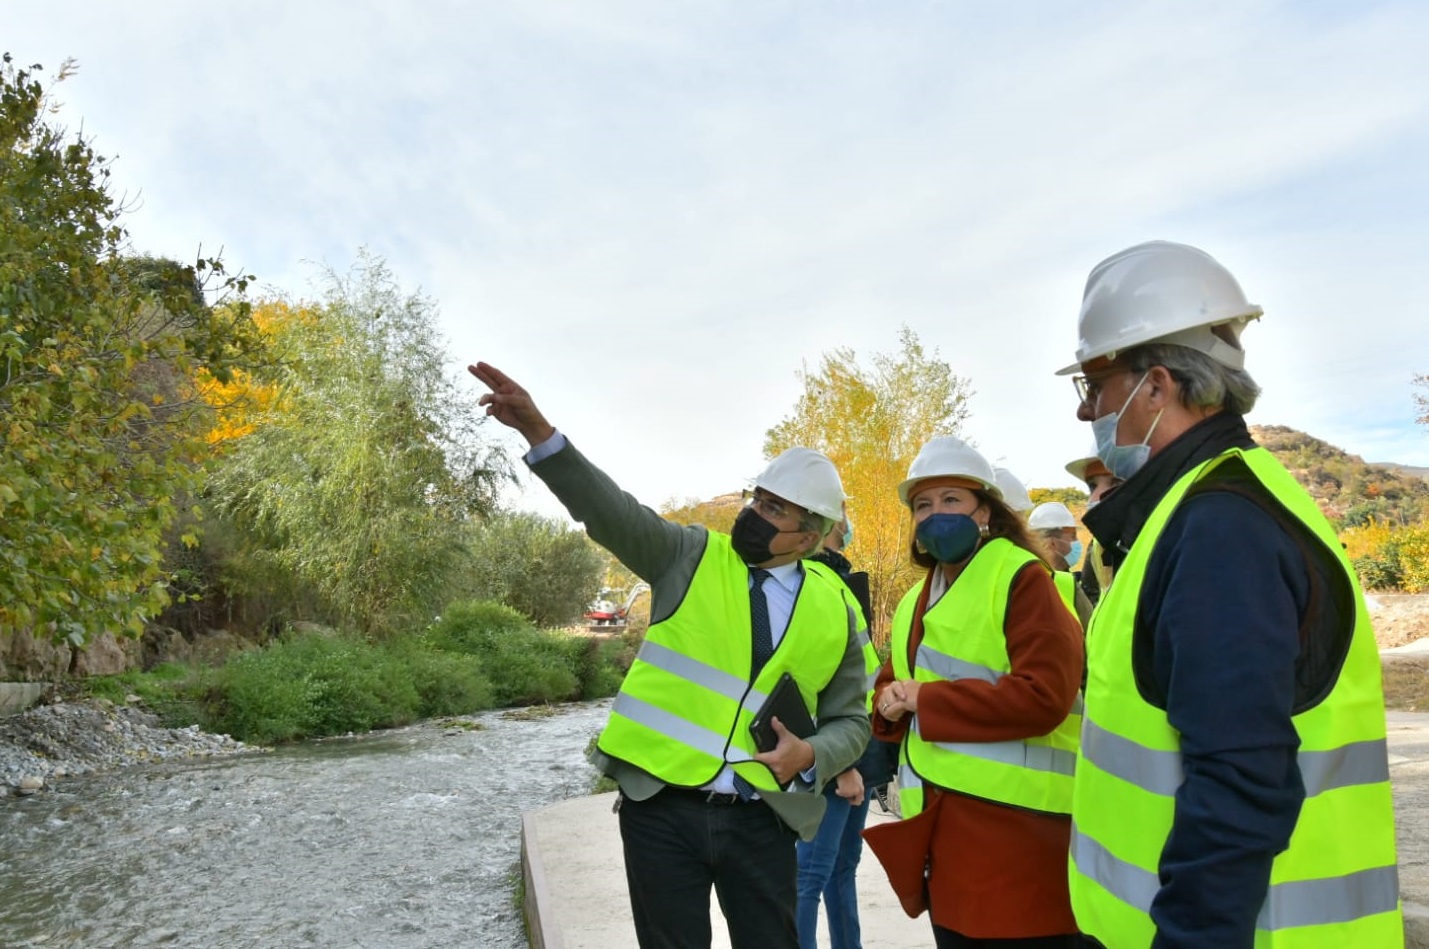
[(404, 839)]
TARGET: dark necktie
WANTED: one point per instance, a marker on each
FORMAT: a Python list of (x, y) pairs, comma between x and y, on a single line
[(762, 650), (759, 620)]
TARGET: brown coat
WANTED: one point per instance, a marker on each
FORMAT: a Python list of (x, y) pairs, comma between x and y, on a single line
[(995, 872)]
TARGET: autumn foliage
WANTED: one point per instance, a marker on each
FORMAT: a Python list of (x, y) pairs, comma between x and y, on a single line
[(871, 420)]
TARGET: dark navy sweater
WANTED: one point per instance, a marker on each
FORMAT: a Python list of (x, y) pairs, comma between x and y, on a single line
[(1217, 644)]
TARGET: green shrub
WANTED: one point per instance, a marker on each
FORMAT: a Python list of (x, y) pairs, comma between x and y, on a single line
[(310, 686), (601, 671), (525, 666), (447, 683), (471, 627), (1378, 572)]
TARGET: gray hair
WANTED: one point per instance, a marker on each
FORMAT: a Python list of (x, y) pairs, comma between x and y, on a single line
[(1203, 382), (809, 521)]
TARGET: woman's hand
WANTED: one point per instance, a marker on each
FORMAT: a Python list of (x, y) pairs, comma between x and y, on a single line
[(899, 698)]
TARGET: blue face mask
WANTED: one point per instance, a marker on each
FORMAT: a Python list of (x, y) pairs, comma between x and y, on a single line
[(1122, 460), (1074, 555), (948, 538)]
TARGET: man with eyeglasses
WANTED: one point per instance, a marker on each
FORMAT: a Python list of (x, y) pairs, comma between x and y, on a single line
[(731, 616), (1232, 787)]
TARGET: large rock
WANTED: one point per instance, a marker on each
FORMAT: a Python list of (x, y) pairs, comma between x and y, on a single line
[(105, 655), (25, 656), (162, 644), (214, 646)]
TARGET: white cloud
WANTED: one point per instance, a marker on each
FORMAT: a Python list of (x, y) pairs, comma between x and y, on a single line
[(654, 214)]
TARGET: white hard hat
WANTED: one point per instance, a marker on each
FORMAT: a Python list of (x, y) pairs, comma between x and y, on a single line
[(1014, 492), (1165, 293), (1078, 469), (949, 457), (1049, 515), (806, 477)]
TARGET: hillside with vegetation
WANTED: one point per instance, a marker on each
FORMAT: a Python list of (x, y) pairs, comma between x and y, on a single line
[(1351, 491), (1380, 510)]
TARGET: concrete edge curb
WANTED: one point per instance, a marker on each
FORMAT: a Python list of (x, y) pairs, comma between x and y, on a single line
[(15, 697), (543, 934), (1416, 925)]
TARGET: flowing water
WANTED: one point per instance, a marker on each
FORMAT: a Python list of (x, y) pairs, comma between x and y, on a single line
[(405, 839)]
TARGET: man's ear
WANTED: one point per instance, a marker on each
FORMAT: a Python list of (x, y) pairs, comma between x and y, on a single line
[(1158, 385), (813, 547)]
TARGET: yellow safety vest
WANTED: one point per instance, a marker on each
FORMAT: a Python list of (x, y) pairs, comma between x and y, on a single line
[(1067, 586), (963, 638), (684, 710), (872, 665), (1337, 884)]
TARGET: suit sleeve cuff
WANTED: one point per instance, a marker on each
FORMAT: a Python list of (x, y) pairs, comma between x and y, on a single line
[(546, 449)]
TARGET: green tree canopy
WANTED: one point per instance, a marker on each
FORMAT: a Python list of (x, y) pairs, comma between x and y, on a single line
[(100, 430), (536, 565), (360, 478)]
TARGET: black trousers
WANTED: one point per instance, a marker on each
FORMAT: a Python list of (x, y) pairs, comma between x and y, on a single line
[(678, 846)]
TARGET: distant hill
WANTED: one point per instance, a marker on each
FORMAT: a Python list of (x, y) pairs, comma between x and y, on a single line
[(1409, 471), (1348, 489)]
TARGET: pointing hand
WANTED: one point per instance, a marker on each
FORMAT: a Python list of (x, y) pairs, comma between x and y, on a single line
[(510, 404)]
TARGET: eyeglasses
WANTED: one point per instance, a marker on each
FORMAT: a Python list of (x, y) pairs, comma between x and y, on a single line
[(1089, 387), (771, 508)]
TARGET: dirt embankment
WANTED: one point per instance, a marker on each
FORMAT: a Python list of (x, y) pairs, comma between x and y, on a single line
[(1398, 618)]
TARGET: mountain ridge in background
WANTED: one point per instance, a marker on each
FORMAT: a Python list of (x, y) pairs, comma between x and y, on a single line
[(1350, 490)]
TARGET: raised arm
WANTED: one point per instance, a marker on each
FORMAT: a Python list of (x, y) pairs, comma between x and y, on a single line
[(652, 547)]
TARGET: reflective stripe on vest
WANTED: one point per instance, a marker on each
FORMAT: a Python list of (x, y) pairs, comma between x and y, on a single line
[(1287, 905), (1336, 884), (1159, 772), (684, 709), (1034, 773)]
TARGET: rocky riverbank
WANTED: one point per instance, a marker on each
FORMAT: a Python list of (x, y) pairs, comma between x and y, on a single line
[(51, 742)]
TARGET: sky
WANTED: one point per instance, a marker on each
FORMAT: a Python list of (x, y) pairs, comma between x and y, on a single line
[(654, 215)]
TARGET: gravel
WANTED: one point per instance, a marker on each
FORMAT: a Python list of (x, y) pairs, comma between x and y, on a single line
[(47, 743)]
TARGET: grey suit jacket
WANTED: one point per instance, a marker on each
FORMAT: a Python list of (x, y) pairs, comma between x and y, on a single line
[(665, 555)]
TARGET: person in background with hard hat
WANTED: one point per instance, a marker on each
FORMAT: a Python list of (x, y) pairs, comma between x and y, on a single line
[(981, 689), (1232, 788), (1054, 525), (1095, 575), (700, 806), (828, 864), (1014, 492)]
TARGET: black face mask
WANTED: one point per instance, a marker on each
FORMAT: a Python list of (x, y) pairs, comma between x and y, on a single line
[(751, 537)]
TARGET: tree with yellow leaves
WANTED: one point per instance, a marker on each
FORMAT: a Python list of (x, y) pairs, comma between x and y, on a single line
[(871, 420), (241, 401)]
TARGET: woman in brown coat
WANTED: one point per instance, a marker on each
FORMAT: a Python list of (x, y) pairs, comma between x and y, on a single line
[(982, 691)]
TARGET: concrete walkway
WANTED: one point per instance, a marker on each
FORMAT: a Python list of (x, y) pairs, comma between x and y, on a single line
[(576, 897), (575, 874)]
